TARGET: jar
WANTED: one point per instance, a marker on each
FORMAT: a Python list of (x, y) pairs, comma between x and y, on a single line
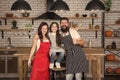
[(90, 26), (93, 15), (77, 15), (113, 45), (116, 33)]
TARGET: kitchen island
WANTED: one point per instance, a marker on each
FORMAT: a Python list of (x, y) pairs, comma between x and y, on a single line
[(95, 57)]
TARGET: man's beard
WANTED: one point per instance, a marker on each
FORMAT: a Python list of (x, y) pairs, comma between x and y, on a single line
[(64, 29)]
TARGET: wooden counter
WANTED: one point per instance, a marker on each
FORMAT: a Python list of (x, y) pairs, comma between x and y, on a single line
[(94, 56), (95, 62)]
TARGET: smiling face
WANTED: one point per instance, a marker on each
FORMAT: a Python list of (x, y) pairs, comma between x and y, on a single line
[(64, 26), (64, 23), (44, 29), (54, 28)]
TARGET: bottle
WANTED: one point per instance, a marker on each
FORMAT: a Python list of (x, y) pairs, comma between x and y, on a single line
[(89, 43), (113, 45)]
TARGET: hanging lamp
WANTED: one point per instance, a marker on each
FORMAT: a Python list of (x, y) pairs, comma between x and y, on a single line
[(59, 5), (95, 5), (21, 5)]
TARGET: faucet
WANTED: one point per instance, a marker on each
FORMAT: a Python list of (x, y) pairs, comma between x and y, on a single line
[(9, 41)]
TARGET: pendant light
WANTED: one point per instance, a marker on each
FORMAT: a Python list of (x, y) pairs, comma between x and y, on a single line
[(59, 5), (21, 5), (95, 5)]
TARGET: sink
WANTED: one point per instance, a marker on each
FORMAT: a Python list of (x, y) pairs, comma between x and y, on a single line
[(7, 52)]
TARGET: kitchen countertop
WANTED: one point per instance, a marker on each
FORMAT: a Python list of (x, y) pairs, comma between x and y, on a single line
[(26, 50), (93, 54)]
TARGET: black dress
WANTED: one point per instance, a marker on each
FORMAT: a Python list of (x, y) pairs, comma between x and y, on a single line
[(76, 61)]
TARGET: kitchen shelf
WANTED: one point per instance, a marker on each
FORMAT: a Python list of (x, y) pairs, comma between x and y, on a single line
[(83, 17), (110, 74), (16, 29), (109, 22), (112, 37), (89, 29), (2, 31), (28, 18), (14, 18), (118, 49), (17, 18), (115, 61), (112, 11), (112, 24), (92, 18)]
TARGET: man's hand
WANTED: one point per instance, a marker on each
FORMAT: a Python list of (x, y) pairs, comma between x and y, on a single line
[(74, 41), (78, 41)]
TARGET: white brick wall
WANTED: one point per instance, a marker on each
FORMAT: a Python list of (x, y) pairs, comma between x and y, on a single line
[(21, 39)]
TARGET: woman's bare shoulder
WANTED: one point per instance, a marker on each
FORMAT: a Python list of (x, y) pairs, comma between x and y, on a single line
[(36, 36)]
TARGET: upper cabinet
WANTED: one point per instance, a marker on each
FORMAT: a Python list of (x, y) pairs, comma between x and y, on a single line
[(111, 42)]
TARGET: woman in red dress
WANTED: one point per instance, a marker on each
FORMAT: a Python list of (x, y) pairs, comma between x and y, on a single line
[(40, 46)]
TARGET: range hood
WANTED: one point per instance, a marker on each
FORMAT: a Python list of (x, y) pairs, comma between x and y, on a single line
[(48, 14)]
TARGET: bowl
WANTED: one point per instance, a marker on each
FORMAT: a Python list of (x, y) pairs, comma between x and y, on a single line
[(84, 15)]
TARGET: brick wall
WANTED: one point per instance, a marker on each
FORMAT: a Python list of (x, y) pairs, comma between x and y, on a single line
[(21, 39)]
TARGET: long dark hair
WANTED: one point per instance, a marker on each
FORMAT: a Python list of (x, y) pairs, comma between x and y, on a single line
[(58, 35), (40, 31)]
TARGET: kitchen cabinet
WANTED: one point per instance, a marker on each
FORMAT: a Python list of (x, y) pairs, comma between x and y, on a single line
[(94, 57), (12, 66), (111, 40), (2, 64), (8, 66)]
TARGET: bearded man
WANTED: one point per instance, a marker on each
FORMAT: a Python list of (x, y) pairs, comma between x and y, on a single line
[(76, 61)]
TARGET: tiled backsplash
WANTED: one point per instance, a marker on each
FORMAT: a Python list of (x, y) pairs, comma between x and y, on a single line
[(21, 39)]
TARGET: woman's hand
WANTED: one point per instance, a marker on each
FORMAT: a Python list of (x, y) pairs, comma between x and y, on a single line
[(29, 63)]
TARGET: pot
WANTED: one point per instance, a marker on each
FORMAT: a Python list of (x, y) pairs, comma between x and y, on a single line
[(109, 70), (108, 33), (117, 70), (110, 57)]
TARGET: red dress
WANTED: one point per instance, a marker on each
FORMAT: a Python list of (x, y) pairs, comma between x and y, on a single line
[(40, 67)]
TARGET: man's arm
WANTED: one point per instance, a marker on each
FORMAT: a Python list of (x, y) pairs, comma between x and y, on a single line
[(76, 37), (78, 41)]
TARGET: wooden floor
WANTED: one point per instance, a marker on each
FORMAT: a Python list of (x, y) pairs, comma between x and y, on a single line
[(106, 78)]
